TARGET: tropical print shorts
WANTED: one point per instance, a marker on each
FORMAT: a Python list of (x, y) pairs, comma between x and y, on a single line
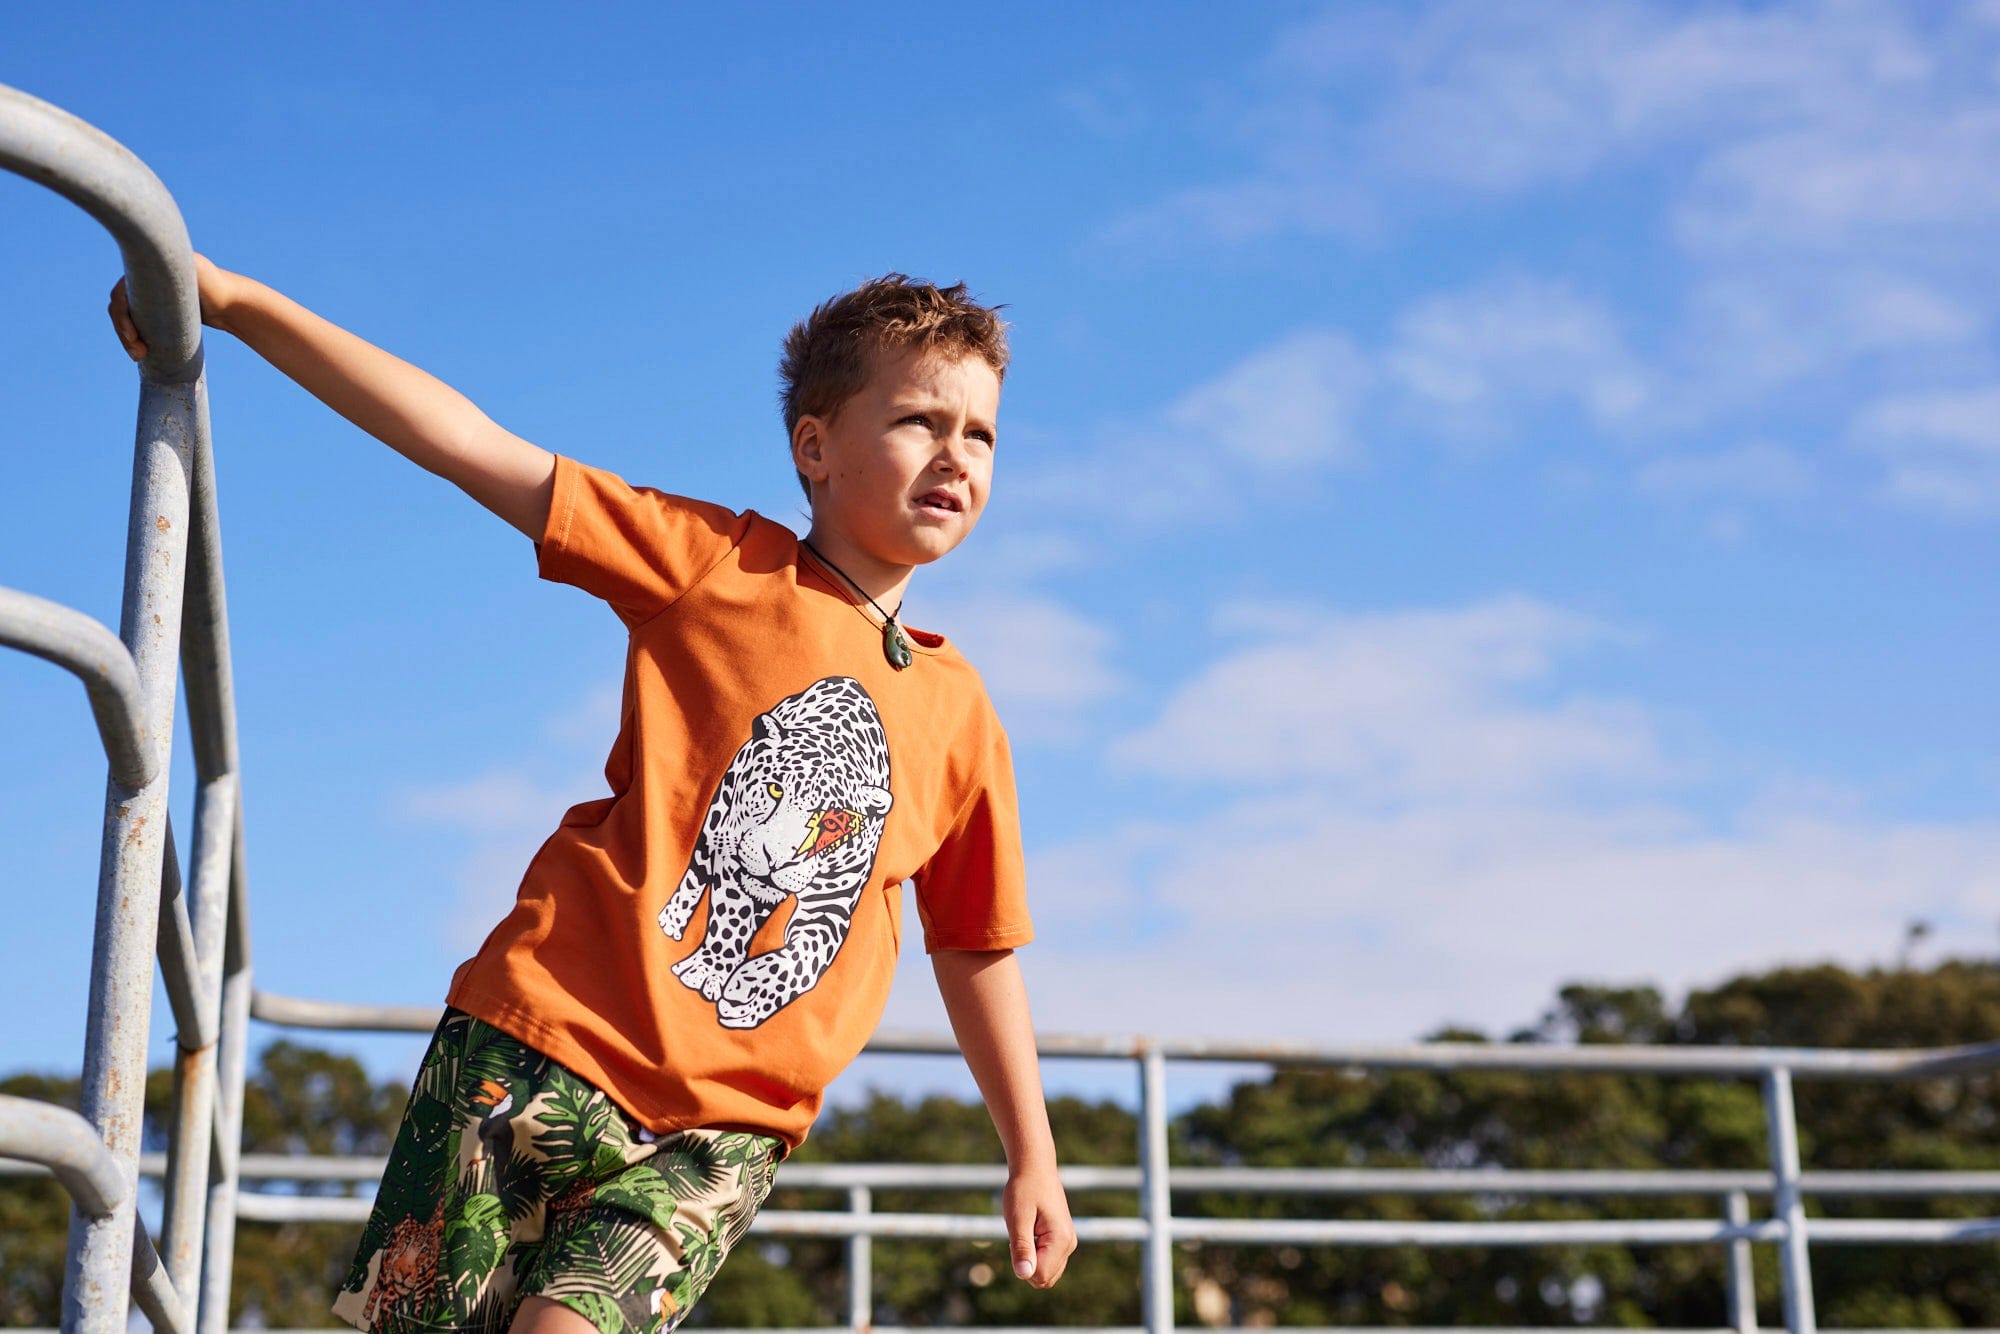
[(513, 1176)]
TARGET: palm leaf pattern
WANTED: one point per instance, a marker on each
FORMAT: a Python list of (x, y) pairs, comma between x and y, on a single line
[(575, 1120), (693, 1168), (557, 1196)]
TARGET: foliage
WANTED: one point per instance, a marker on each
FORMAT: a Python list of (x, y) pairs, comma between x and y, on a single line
[(302, 1100)]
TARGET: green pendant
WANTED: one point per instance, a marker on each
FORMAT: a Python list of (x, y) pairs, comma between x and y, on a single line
[(894, 647)]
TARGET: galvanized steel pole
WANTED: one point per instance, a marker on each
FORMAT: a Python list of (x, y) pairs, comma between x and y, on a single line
[(1157, 1294), (1742, 1290), (860, 1262), (81, 163), (1787, 1204)]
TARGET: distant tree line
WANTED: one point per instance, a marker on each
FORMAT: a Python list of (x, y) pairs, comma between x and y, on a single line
[(303, 1100)]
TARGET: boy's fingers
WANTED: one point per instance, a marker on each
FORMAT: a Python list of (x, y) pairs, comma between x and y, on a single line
[(1021, 1241), (121, 322), (1052, 1256)]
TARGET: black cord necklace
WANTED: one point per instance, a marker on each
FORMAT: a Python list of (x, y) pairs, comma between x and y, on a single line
[(895, 646)]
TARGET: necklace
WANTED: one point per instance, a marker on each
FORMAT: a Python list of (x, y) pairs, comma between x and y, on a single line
[(895, 646)]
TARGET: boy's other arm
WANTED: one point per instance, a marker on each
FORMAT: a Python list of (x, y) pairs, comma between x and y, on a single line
[(988, 1004), (406, 408)]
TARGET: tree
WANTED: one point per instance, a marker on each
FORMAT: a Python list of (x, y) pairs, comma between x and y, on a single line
[(303, 1100)]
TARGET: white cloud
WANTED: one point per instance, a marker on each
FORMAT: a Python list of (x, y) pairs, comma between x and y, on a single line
[(1810, 186), (498, 799), (1355, 108), (1746, 329), (1297, 918), (1760, 468), (1112, 106), (1281, 413), (1411, 824), (1289, 404), (1042, 661), (1399, 706), (503, 818), (1475, 354), (1898, 178), (592, 721), (1942, 449)]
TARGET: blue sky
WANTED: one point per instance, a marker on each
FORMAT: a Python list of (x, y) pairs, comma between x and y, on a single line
[(1487, 496)]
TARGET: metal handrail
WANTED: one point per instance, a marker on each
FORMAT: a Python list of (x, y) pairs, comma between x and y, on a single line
[(1155, 1180), (172, 565), (174, 616)]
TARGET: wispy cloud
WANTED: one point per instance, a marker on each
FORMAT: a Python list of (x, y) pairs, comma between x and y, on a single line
[(1399, 706), (1043, 662), (1942, 449), (1410, 819), (1806, 195), (1474, 359), (499, 817), (1349, 111), (1283, 412), (1298, 918), (1757, 470)]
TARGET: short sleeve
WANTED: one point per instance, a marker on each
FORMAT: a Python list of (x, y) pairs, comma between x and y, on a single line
[(972, 893), (637, 548)]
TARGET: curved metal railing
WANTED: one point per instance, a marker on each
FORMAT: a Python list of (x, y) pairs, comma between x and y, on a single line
[(173, 612)]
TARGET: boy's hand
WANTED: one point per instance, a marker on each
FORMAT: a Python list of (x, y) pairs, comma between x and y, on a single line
[(1040, 1236), (211, 281)]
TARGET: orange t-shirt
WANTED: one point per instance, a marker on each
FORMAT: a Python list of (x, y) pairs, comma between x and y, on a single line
[(713, 942)]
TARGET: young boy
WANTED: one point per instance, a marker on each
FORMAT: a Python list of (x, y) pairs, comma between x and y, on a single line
[(692, 959)]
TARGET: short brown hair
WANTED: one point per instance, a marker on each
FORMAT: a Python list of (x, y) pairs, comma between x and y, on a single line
[(826, 354)]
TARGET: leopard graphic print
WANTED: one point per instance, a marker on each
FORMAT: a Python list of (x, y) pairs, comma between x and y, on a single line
[(798, 814)]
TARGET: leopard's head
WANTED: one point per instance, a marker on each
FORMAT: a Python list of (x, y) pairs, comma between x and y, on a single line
[(804, 804)]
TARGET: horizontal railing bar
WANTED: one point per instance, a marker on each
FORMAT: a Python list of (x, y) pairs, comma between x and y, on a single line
[(90, 651), (1744, 1062), (347, 1016), (1541, 1232), (180, 965), (1903, 1231), (258, 1207), (1606, 1058), (1247, 1180), (52, 1140), (987, 1227)]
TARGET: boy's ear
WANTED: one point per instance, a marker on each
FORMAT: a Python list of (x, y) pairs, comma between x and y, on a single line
[(809, 448)]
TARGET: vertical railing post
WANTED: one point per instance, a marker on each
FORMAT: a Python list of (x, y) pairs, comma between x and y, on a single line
[(1742, 1295), (219, 1253), (1157, 1295), (860, 1263), (184, 1213), (97, 1272), (211, 712), (1787, 1204)]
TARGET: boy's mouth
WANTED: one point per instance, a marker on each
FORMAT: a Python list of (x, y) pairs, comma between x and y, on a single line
[(940, 500)]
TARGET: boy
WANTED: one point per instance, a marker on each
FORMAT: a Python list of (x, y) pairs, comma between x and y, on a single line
[(692, 959)]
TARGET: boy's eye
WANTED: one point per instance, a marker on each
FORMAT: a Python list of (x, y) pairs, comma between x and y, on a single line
[(777, 793)]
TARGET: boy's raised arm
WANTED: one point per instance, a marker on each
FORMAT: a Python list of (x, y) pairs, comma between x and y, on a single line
[(406, 408)]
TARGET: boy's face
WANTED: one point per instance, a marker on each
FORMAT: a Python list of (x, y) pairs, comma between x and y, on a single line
[(900, 472)]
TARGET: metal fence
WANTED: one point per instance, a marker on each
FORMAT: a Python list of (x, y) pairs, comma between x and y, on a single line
[(173, 618)]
